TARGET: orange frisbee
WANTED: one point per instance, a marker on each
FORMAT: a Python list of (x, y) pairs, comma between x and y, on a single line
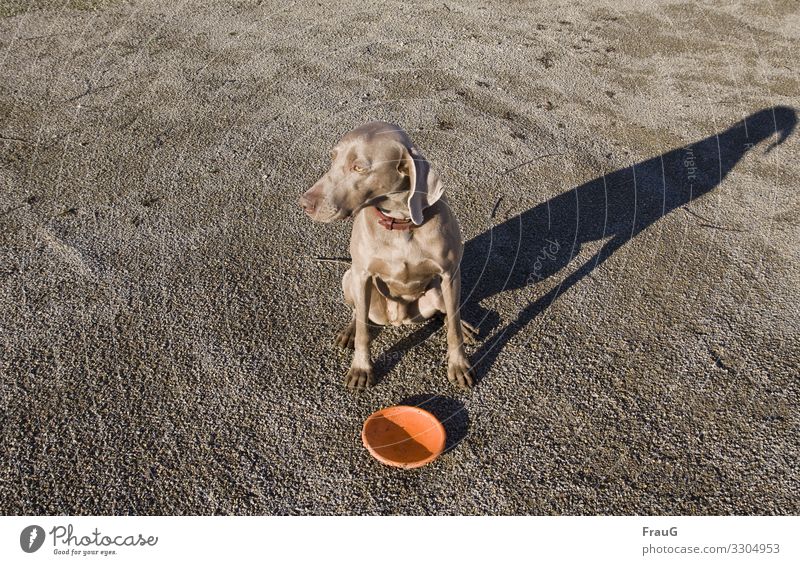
[(403, 436)]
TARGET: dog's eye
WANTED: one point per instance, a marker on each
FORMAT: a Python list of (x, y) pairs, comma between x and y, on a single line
[(359, 169)]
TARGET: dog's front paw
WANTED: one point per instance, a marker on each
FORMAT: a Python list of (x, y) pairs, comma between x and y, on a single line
[(461, 373), (359, 379)]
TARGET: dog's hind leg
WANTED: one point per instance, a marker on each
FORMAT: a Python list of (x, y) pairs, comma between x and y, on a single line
[(432, 303)]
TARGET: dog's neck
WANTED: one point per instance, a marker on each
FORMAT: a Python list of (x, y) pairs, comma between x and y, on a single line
[(393, 220), (388, 211)]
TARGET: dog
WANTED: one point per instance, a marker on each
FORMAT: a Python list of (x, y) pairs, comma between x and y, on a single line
[(405, 244)]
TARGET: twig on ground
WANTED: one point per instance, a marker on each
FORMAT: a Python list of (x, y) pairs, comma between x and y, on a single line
[(496, 205), (332, 260), (514, 168), (723, 228), (695, 214), (707, 223), (90, 89)]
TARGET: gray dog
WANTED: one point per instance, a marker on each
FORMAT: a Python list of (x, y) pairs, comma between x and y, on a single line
[(406, 244)]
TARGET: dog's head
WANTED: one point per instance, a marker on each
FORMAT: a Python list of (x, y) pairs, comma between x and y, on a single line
[(375, 164)]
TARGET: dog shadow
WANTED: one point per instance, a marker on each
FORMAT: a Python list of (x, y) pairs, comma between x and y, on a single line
[(538, 243), (449, 411)]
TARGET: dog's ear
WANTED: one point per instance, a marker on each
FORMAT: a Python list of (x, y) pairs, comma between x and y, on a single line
[(425, 188)]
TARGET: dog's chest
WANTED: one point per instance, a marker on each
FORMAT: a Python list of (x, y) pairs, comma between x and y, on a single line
[(406, 273)]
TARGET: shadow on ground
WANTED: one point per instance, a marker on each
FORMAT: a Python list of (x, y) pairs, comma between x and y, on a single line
[(537, 244)]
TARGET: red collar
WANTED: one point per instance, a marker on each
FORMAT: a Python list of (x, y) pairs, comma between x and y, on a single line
[(393, 223)]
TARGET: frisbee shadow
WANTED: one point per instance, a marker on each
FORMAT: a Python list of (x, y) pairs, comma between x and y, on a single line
[(449, 411), (535, 245)]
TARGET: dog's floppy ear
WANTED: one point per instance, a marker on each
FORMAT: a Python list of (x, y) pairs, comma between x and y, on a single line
[(425, 187)]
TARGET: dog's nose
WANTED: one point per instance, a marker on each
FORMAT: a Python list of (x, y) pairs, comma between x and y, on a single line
[(307, 203)]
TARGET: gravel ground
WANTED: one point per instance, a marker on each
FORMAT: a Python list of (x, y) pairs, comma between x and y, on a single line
[(631, 258)]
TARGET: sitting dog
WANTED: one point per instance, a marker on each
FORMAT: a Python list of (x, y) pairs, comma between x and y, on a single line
[(405, 245)]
